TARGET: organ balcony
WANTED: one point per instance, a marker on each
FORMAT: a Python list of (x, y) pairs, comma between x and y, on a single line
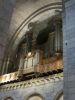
[(39, 53)]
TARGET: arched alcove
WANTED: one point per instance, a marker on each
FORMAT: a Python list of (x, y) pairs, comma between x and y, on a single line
[(35, 96), (46, 11), (8, 98), (59, 96)]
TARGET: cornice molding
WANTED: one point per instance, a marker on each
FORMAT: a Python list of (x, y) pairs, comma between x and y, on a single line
[(32, 82)]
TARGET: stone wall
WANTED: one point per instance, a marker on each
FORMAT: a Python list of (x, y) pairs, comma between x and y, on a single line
[(6, 10), (48, 88), (69, 49)]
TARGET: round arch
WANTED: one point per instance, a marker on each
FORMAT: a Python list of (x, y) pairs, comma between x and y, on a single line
[(35, 96), (18, 35), (59, 95), (8, 98)]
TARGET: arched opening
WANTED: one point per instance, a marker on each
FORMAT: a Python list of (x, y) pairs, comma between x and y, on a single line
[(41, 14), (59, 96), (8, 98), (35, 98), (37, 46)]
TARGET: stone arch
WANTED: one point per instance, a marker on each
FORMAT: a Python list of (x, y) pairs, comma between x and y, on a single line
[(58, 95), (34, 95), (14, 41), (8, 98)]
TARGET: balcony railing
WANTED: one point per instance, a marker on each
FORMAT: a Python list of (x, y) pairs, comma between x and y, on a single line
[(52, 64)]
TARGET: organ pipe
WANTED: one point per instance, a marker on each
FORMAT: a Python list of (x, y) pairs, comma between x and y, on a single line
[(57, 36)]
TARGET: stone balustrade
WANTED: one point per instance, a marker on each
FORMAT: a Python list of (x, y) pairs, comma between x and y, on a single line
[(32, 82)]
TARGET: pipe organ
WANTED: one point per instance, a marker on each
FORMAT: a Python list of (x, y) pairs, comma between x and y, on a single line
[(41, 50), (41, 53)]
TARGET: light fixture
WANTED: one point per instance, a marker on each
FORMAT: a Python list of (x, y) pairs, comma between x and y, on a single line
[(29, 54)]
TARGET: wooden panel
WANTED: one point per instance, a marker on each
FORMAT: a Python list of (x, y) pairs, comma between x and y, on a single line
[(49, 65)]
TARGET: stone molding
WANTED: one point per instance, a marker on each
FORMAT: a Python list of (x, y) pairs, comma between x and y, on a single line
[(32, 82)]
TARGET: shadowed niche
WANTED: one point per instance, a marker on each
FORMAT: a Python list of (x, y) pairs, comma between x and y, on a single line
[(44, 34)]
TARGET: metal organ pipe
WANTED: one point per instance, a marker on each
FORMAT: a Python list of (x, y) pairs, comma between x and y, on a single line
[(57, 36), (22, 52)]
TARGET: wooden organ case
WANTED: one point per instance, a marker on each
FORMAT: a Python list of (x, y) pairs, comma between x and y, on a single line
[(43, 52)]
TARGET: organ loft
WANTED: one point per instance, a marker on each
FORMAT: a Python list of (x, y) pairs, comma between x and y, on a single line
[(39, 53), (33, 63), (37, 49)]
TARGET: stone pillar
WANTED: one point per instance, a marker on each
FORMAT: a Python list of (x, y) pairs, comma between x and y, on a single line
[(6, 9), (69, 49)]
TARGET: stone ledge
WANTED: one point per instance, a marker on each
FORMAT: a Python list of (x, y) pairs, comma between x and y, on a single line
[(32, 82)]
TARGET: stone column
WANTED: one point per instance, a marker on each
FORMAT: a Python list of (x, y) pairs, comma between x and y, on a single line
[(69, 49), (6, 9)]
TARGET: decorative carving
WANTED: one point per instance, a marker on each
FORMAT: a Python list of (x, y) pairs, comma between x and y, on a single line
[(36, 82)]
